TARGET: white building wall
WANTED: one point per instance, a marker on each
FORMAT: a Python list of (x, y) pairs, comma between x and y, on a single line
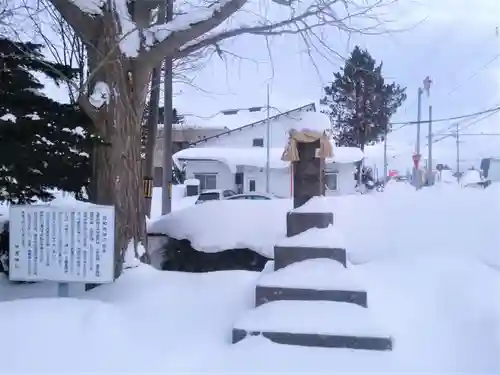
[(225, 178), (346, 181), (244, 137), (280, 179)]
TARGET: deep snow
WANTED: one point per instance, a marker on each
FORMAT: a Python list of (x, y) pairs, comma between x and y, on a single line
[(432, 283)]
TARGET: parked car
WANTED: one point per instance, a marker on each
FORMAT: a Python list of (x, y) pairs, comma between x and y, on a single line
[(214, 195), (254, 196)]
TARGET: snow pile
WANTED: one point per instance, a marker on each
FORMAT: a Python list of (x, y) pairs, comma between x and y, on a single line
[(373, 226), (307, 121), (439, 309), (317, 274), (228, 224), (315, 237), (70, 328), (471, 177), (312, 317), (446, 176)]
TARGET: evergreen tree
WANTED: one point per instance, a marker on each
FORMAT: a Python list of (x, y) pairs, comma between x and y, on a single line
[(360, 103), (44, 144)]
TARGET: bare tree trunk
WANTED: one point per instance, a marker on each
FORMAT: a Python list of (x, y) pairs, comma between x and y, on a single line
[(117, 172)]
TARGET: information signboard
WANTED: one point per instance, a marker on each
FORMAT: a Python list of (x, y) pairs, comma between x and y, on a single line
[(63, 244)]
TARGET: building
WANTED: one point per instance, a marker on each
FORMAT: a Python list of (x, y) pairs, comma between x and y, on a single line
[(182, 137), (236, 159)]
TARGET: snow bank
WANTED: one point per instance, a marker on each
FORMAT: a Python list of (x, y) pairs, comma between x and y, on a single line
[(228, 224), (63, 334), (312, 317), (471, 177), (317, 274), (440, 309), (373, 226)]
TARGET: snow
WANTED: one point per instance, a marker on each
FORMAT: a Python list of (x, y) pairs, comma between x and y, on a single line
[(320, 317), (346, 155), (227, 224), (90, 6), (446, 176), (8, 117), (100, 95), (257, 156), (192, 181), (158, 33), (390, 221), (133, 255), (432, 282), (312, 121), (316, 237), (439, 306), (471, 177), (317, 274)]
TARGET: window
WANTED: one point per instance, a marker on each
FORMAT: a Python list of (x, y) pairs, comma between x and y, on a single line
[(331, 181), (207, 181), (251, 185), (258, 142)]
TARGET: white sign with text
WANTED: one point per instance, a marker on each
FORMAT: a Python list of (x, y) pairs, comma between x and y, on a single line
[(64, 244)]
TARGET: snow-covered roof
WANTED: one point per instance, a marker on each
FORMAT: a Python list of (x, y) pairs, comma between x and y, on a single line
[(287, 118), (257, 156)]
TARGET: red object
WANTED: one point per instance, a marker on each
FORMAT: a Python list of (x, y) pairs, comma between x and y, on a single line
[(416, 160), (393, 173)]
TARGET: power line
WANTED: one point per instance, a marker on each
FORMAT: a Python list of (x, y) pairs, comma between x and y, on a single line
[(406, 123), (464, 127)]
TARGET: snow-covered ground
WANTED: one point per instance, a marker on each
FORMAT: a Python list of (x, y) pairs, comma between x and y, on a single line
[(444, 218), (433, 281)]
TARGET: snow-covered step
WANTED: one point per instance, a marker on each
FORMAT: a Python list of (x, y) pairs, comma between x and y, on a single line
[(314, 323), (312, 280), (298, 222), (313, 243)]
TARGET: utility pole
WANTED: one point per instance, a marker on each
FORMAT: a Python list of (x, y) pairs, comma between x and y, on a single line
[(430, 175), (457, 132), (416, 170), (268, 141), (385, 155), (427, 89), (166, 196)]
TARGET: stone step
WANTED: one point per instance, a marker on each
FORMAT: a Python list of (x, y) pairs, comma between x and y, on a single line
[(287, 255), (265, 294), (298, 222), (312, 280), (314, 323)]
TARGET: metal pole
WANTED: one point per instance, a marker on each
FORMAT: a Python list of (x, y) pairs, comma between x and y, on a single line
[(458, 151), (416, 170), (429, 162), (385, 156), (268, 142), (166, 203)]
